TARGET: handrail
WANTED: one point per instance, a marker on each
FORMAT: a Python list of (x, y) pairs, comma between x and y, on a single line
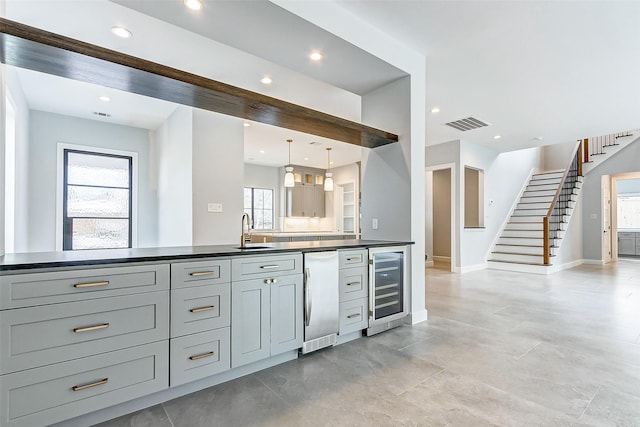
[(547, 217)]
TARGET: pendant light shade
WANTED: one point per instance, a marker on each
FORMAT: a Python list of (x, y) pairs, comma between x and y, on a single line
[(328, 181), (289, 181)]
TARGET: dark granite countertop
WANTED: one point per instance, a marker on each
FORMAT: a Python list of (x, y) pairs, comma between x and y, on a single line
[(38, 260)]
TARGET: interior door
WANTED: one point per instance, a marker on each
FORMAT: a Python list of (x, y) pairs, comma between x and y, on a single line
[(607, 239)]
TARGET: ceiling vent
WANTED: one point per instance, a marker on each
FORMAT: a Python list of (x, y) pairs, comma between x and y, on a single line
[(469, 123), (101, 114)]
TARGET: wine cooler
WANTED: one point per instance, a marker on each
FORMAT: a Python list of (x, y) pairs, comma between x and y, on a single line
[(388, 288)]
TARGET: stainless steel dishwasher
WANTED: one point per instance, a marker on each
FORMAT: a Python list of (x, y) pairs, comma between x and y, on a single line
[(321, 305)]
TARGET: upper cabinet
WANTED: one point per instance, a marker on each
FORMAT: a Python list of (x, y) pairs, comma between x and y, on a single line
[(307, 197)]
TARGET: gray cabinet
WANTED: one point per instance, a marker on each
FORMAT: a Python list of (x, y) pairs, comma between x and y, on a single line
[(626, 243), (266, 309), (354, 290), (306, 200)]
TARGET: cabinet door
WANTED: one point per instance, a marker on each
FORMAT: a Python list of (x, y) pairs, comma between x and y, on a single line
[(286, 313), (626, 244), (319, 201), (309, 200), (250, 316), (297, 200)]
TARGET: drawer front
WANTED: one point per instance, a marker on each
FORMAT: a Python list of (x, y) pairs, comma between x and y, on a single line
[(244, 268), (42, 396), (38, 336), (24, 290), (353, 316), (627, 235), (200, 355), (353, 258), (197, 273), (353, 283), (200, 309)]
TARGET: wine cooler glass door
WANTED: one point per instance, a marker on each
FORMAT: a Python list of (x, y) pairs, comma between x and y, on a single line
[(387, 298)]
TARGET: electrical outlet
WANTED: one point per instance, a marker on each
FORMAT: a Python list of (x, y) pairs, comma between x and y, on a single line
[(374, 223), (214, 207)]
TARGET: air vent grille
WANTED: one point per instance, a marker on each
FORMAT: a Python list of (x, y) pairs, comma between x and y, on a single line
[(469, 123)]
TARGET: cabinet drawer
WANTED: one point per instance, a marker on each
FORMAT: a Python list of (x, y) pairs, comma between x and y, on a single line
[(353, 283), (353, 316), (37, 336), (196, 273), (353, 258), (199, 356), (42, 396), (245, 267), (627, 235), (29, 289), (200, 309)]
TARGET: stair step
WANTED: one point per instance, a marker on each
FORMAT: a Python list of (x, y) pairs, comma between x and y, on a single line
[(543, 181), (537, 199), (539, 193), (519, 249), (508, 232), (521, 240), (549, 174), (525, 258), (533, 205), (504, 265), (522, 218), (530, 212), (534, 187), (533, 226)]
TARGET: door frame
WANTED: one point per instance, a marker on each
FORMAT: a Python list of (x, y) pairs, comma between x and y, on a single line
[(614, 209), (429, 196)]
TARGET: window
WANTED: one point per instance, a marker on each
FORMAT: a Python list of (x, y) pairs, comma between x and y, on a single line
[(97, 200), (628, 211), (258, 203)]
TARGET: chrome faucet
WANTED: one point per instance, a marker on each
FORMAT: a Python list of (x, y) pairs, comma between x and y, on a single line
[(243, 242)]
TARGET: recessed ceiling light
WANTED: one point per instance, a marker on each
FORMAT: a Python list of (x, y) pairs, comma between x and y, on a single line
[(261, 151), (306, 158), (247, 124), (435, 110), (537, 138), (193, 4), (121, 32), (104, 99), (497, 137), (330, 163), (315, 56), (266, 80)]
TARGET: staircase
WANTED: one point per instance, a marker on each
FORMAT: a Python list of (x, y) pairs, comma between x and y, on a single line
[(600, 148), (532, 236)]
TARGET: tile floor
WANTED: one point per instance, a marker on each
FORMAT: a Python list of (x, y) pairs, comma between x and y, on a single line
[(499, 349)]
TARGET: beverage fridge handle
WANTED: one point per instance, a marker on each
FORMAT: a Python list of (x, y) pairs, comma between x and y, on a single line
[(307, 297)]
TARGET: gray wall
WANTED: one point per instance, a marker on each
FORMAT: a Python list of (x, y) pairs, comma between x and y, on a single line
[(173, 144), (386, 180), (442, 213), (218, 177), (46, 130), (624, 161), (557, 156)]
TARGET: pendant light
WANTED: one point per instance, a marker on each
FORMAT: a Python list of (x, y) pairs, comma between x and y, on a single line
[(328, 181), (288, 177)]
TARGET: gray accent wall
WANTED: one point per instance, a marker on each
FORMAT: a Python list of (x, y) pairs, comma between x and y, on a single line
[(624, 161), (218, 177), (386, 178), (46, 130)]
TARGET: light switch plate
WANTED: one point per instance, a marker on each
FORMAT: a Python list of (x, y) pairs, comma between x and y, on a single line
[(374, 223), (214, 207)]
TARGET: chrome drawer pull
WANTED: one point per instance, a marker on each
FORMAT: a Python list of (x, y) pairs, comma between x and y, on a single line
[(201, 309), (86, 386), (353, 283), (267, 267), (270, 281), (201, 356), (351, 316), (91, 284), (91, 328), (354, 259), (201, 273)]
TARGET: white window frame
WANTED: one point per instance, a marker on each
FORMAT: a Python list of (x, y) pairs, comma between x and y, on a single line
[(60, 186)]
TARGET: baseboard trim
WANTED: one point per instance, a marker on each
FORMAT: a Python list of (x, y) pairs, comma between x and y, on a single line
[(417, 317), (593, 261), (565, 266), (429, 264), (441, 258), (475, 267)]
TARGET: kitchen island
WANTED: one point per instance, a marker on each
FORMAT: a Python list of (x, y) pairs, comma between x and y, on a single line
[(90, 335)]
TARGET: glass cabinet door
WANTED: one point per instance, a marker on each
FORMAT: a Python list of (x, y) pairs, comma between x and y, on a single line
[(388, 284)]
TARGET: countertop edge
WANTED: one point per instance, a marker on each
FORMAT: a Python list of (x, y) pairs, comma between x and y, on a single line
[(47, 260)]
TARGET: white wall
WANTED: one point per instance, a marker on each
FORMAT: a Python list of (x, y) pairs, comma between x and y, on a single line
[(173, 148), (386, 178), (21, 214), (624, 161), (46, 130), (557, 156), (218, 177)]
